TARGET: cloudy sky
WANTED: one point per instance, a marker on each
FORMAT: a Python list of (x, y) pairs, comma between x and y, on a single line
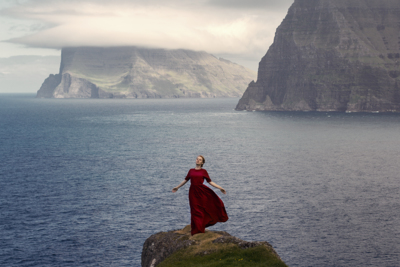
[(238, 30)]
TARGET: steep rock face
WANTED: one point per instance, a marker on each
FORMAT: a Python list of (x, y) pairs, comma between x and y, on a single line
[(131, 72), (47, 88), (331, 55)]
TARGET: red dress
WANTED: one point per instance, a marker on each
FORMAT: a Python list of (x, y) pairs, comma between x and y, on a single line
[(206, 208)]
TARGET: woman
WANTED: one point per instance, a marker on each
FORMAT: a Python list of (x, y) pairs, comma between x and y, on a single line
[(206, 208)]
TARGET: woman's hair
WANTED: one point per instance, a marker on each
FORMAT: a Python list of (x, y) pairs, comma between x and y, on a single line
[(204, 161)]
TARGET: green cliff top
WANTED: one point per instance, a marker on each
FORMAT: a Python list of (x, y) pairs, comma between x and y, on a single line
[(217, 249)]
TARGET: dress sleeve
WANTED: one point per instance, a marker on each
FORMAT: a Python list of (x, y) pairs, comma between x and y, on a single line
[(205, 175), (187, 176)]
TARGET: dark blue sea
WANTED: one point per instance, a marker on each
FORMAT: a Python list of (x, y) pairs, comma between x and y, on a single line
[(85, 182)]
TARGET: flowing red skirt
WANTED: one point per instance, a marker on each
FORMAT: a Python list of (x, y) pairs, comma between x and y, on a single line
[(206, 208)]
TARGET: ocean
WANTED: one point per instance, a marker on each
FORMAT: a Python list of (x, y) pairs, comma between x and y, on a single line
[(84, 182)]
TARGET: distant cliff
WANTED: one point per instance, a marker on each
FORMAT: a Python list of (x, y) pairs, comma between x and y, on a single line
[(213, 248), (331, 55), (132, 72)]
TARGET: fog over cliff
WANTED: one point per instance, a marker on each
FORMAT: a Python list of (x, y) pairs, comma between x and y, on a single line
[(224, 28), (237, 30), (134, 72)]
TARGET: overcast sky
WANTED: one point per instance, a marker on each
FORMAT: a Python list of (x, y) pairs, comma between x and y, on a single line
[(238, 30)]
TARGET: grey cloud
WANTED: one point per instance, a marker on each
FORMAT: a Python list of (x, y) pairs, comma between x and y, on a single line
[(19, 28), (214, 26), (29, 28), (39, 27), (246, 4), (32, 7)]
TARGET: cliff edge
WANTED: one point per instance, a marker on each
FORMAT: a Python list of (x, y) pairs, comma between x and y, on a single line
[(331, 55), (179, 248), (133, 72)]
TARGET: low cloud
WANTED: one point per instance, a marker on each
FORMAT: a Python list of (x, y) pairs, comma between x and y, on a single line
[(211, 26), (251, 4)]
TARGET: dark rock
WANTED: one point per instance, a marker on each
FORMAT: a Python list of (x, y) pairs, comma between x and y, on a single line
[(329, 55), (159, 246), (48, 86)]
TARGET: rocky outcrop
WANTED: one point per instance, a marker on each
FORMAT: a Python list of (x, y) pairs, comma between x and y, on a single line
[(47, 88), (132, 72), (331, 55), (161, 245)]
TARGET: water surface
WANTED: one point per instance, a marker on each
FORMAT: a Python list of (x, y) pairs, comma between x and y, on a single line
[(85, 182)]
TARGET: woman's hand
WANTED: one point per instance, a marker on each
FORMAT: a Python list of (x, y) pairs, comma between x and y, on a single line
[(223, 191), (177, 187)]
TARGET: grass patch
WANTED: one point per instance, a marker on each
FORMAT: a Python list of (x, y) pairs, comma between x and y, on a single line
[(229, 257)]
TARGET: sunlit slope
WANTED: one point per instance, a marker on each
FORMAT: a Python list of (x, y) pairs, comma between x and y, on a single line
[(147, 73)]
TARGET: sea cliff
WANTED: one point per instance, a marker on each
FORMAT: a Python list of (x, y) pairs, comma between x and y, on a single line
[(214, 248), (331, 55), (133, 72)]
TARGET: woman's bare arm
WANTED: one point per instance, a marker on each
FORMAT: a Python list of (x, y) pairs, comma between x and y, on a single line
[(217, 186), (180, 185)]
